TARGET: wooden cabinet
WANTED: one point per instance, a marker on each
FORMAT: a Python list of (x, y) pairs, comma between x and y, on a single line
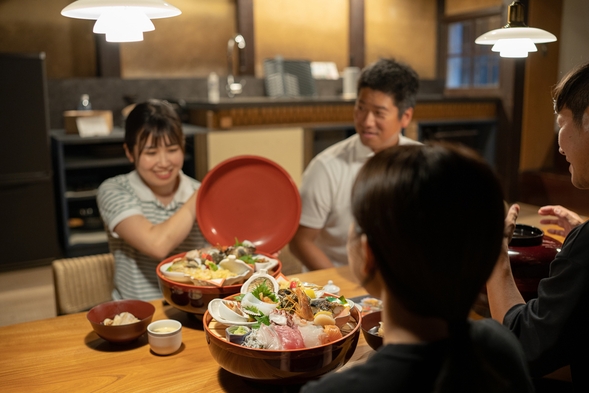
[(79, 166)]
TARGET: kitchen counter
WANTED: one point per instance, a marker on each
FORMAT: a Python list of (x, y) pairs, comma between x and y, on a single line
[(230, 113), (241, 101)]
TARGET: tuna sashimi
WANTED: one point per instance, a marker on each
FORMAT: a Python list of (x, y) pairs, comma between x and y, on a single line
[(291, 338)]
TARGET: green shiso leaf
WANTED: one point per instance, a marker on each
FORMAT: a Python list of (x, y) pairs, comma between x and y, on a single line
[(263, 289), (264, 319), (248, 259), (253, 309)]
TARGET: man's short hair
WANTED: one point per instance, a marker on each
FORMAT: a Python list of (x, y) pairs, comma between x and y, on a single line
[(396, 79), (572, 92)]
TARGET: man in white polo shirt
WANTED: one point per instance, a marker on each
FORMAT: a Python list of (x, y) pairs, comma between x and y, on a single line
[(387, 91)]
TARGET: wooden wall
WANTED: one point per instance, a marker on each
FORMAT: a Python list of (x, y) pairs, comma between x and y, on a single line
[(405, 29), (195, 43), (538, 139)]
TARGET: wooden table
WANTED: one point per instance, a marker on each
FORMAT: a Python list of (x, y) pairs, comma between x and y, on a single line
[(63, 354)]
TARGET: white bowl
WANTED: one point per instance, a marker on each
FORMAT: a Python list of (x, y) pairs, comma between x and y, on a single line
[(164, 336)]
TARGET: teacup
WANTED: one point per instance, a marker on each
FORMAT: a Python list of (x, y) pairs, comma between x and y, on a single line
[(164, 336)]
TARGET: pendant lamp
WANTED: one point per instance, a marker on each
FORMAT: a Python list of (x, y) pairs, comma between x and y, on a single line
[(515, 39), (123, 20)]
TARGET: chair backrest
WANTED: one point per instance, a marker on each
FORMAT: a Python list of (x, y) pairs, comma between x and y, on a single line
[(82, 282)]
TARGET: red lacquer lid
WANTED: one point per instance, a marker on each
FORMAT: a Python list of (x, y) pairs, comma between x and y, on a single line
[(248, 198)]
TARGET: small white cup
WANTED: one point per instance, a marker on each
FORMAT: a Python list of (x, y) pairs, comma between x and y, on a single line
[(164, 336)]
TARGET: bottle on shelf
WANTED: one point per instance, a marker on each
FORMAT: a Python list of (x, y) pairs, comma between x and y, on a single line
[(84, 103), (213, 87)]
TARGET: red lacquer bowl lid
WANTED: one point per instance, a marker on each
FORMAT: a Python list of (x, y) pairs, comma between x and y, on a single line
[(248, 198)]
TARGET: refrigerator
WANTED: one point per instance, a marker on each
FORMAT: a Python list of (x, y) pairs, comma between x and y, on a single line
[(28, 233)]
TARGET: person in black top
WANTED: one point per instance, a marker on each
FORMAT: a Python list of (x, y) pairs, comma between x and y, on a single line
[(428, 230), (553, 327)]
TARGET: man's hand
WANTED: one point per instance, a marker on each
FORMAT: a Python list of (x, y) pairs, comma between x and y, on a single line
[(502, 291), (566, 219)]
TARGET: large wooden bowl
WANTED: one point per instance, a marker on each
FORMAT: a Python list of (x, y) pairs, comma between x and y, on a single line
[(283, 367), (195, 299)]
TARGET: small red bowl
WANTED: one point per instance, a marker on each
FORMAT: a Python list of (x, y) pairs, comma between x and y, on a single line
[(371, 321), (195, 299), (122, 333), (294, 366)]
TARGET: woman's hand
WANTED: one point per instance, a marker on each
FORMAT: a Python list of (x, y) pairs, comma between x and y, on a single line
[(565, 218), (502, 291)]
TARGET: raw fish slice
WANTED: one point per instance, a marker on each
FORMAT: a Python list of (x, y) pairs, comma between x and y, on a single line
[(290, 338), (313, 335), (332, 333)]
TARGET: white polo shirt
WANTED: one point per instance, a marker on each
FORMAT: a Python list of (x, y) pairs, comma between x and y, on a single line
[(326, 193)]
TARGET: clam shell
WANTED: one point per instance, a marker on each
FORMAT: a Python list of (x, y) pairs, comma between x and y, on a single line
[(227, 311), (258, 278), (250, 300)]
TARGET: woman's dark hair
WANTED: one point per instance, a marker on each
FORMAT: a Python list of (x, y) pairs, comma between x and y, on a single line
[(156, 118), (433, 217), (572, 92), (396, 79)]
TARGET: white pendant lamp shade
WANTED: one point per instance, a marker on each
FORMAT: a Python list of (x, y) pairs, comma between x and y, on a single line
[(515, 39), (92, 9), (515, 47), (123, 20)]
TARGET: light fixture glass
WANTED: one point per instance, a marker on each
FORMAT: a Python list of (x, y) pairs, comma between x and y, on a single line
[(516, 47), (514, 39), (121, 20), (124, 35)]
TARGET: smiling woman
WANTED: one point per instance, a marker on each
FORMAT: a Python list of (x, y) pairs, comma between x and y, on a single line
[(149, 213)]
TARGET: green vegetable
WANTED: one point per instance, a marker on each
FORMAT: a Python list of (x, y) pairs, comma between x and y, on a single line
[(253, 309), (212, 266), (248, 259), (265, 319), (341, 299), (240, 330), (237, 243), (263, 289)]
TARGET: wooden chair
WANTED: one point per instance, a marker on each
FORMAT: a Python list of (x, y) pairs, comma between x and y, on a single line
[(82, 282)]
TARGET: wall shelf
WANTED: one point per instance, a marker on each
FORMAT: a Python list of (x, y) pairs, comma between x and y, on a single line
[(80, 165)]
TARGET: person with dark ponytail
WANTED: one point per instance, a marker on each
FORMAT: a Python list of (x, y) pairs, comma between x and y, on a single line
[(428, 229)]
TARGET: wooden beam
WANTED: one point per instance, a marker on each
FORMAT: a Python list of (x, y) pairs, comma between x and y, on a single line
[(356, 34), (245, 27), (108, 57)]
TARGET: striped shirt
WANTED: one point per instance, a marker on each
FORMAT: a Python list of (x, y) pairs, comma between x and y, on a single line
[(127, 195)]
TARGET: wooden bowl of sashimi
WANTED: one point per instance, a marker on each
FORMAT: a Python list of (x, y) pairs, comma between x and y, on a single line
[(284, 366), (186, 296)]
